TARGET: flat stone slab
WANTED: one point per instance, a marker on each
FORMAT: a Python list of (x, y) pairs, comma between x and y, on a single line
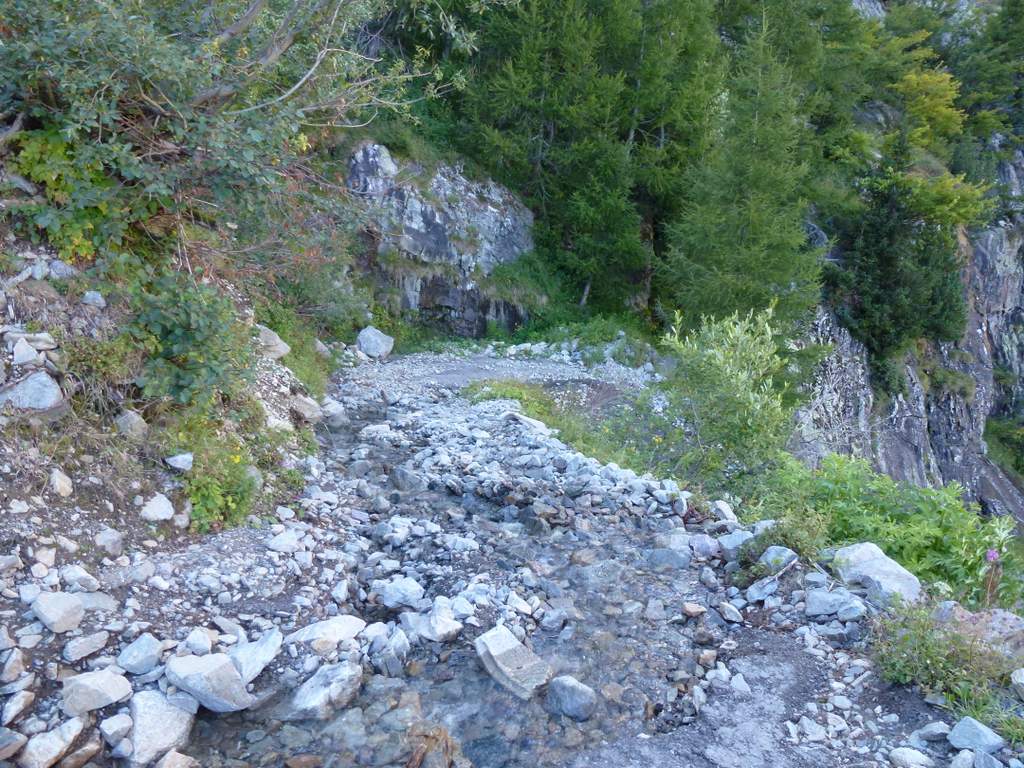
[(511, 663)]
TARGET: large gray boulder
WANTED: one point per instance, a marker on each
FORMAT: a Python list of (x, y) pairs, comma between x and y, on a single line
[(141, 655), (45, 749), (157, 727), (213, 680), (252, 658), (976, 736), (270, 344), (332, 687), (93, 690), (886, 581), (59, 611), (374, 343), (36, 392)]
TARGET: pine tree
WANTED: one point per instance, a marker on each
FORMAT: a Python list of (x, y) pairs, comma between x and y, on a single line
[(740, 243), (544, 115)]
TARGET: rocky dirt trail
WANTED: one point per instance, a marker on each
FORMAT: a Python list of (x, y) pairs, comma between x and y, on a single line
[(468, 517), (456, 587)]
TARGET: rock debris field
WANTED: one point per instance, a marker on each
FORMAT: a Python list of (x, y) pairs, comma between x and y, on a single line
[(456, 587)]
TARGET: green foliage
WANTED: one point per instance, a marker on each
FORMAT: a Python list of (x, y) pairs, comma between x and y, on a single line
[(219, 486), (929, 98), (103, 365), (912, 647), (309, 366), (740, 244), (930, 531), (606, 438), (900, 279), (1005, 440), (196, 347), (724, 417)]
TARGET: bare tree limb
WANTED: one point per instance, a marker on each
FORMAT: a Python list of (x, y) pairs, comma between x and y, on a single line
[(241, 24), (12, 130), (279, 43)]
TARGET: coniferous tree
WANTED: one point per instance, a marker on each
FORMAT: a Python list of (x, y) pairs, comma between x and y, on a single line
[(740, 243), (544, 115)]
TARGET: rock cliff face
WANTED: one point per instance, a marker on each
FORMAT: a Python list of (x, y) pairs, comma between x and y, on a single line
[(438, 236), (933, 434)]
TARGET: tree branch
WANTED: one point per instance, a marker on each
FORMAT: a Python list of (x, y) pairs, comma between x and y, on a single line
[(243, 23), (280, 42), (12, 130)]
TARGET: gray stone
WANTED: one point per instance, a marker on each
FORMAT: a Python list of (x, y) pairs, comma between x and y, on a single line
[(59, 611), (978, 737), (330, 631), (45, 749), (93, 690), (94, 299), (80, 647), (439, 219), (437, 626), (335, 416), (36, 392), (510, 662), (775, 558), (722, 510), (252, 658), (406, 481), (77, 579), (664, 559), (288, 542), (822, 602), (270, 344), (730, 613), (905, 757), (985, 760), (115, 728), (60, 483), (212, 679), (157, 510), (731, 543), (110, 541), (373, 343), (182, 462), (568, 696), (1017, 682), (157, 727), (11, 743), (401, 591), (141, 655), (762, 589), (332, 687), (175, 759), (24, 354), (885, 580), (132, 425), (305, 409)]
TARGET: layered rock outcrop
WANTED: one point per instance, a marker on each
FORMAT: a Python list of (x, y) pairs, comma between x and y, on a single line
[(934, 432), (438, 236)]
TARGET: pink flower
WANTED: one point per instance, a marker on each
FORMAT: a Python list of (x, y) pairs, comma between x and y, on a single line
[(992, 555)]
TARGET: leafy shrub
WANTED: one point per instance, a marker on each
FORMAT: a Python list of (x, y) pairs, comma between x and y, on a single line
[(103, 367), (930, 531), (219, 486), (912, 647), (723, 415), (196, 347)]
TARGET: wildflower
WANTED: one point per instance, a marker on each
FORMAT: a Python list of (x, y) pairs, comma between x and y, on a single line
[(992, 555)]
